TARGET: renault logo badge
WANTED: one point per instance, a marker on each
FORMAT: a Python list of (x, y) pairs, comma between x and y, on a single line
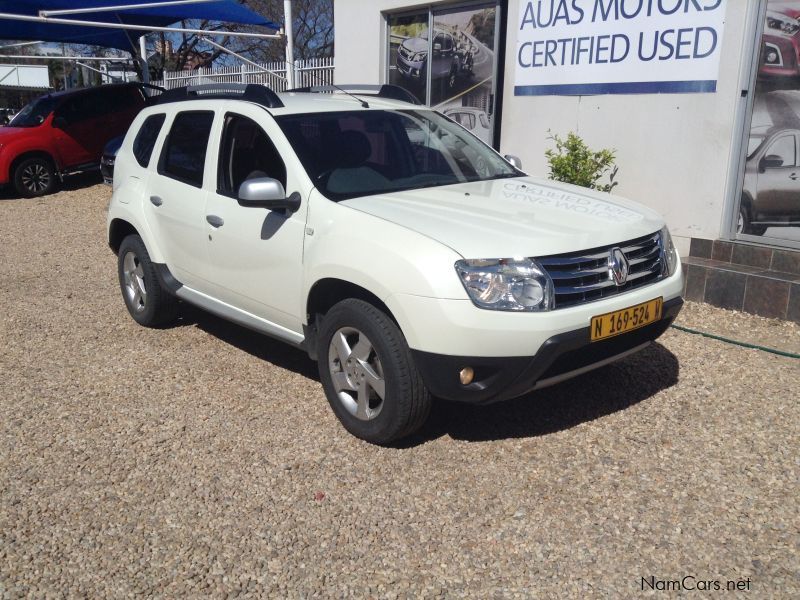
[(617, 267)]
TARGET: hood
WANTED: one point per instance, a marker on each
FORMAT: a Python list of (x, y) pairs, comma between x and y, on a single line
[(507, 218), (417, 44)]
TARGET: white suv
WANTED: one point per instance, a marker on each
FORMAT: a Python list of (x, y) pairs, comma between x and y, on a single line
[(404, 255)]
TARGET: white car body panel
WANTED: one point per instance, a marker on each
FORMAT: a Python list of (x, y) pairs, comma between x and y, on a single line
[(378, 255), (519, 217), (255, 257)]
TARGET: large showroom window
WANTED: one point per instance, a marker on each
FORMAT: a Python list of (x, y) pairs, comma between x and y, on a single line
[(448, 59), (768, 205)]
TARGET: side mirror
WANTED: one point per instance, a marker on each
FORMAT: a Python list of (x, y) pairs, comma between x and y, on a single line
[(59, 122), (265, 192), (514, 161), (770, 161)]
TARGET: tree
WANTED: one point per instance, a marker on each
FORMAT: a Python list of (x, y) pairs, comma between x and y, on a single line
[(313, 29)]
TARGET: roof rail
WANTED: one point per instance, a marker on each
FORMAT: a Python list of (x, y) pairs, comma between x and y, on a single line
[(252, 92), (388, 91)]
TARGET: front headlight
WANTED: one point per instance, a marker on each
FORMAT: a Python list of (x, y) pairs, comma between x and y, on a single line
[(668, 253), (782, 23), (419, 56), (506, 284)]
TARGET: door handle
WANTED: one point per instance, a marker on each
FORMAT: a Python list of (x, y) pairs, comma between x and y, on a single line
[(156, 201), (215, 221)]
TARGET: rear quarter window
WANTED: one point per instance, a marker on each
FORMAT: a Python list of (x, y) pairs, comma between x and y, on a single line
[(146, 138), (184, 154)]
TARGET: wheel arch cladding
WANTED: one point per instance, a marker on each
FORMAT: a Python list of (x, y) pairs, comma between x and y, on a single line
[(325, 294), (118, 231)]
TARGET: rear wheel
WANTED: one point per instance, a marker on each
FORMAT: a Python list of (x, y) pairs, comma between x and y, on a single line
[(34, 177), (368, 374), (147, 302)]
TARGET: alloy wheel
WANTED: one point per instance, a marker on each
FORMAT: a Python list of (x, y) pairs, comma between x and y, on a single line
[(36, 178), (134, 282), (356, 373)]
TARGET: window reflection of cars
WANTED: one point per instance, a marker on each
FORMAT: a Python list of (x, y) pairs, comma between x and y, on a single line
[(771, 194), (474, 120), (780, 51), (451, 59)]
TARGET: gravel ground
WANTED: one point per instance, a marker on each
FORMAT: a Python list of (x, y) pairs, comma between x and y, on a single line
[(742, 327), (204, 460)]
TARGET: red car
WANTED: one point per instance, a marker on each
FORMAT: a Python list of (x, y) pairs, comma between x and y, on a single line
[(64, 133), (780, 44)]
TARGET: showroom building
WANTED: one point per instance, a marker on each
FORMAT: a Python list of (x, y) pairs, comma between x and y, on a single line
[(700, 99)]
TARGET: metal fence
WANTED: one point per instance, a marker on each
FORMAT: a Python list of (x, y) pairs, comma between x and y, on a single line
[(314, 71)]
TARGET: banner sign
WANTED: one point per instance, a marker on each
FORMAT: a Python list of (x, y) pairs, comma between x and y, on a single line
[(577, 47)]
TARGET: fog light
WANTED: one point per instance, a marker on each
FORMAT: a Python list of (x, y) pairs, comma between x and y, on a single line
[(466, 375)]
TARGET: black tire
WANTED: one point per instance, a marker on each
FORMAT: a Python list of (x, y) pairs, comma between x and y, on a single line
[(747, 226), (155, 307), (406, 403), (34, 177)]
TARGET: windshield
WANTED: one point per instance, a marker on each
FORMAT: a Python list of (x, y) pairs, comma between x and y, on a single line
[(34, 113), (359, 153)]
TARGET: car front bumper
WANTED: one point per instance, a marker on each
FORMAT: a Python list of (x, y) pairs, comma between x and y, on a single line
[(409, 69), (561, 357)]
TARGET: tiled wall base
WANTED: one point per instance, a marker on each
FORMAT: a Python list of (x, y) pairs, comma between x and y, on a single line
[(754, 279)]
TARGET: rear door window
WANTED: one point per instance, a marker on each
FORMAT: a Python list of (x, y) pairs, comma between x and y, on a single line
[(184, 154), (146, 138)]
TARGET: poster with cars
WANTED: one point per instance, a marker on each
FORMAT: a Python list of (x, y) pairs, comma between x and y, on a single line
[(451, 67), (408, 53), (770, 200)]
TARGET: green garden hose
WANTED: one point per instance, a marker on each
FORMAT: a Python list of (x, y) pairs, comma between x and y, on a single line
[(735, 342)]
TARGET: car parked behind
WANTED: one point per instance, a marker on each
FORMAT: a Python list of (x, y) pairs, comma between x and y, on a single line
[(63, 133), (109, 158), (780, 44), (450, 59), (771, 193)]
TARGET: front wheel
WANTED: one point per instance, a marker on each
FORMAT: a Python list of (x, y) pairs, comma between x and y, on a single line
[(745, 225), (369, 375), (34, 177)]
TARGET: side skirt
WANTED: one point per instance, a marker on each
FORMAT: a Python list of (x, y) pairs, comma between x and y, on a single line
[(225, 310)]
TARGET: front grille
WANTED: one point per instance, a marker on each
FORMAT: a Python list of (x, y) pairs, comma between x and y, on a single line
[(403, 52), (581, 277)]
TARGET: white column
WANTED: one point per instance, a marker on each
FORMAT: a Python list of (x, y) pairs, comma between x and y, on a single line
[(289, 30), (143, 60)]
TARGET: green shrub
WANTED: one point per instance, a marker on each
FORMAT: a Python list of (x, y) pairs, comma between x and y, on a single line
[(573, 161)]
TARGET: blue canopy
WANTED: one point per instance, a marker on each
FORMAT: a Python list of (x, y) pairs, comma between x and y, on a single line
[(228, 11)]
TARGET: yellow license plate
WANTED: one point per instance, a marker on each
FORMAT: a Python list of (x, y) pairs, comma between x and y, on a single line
[(627, 319)]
